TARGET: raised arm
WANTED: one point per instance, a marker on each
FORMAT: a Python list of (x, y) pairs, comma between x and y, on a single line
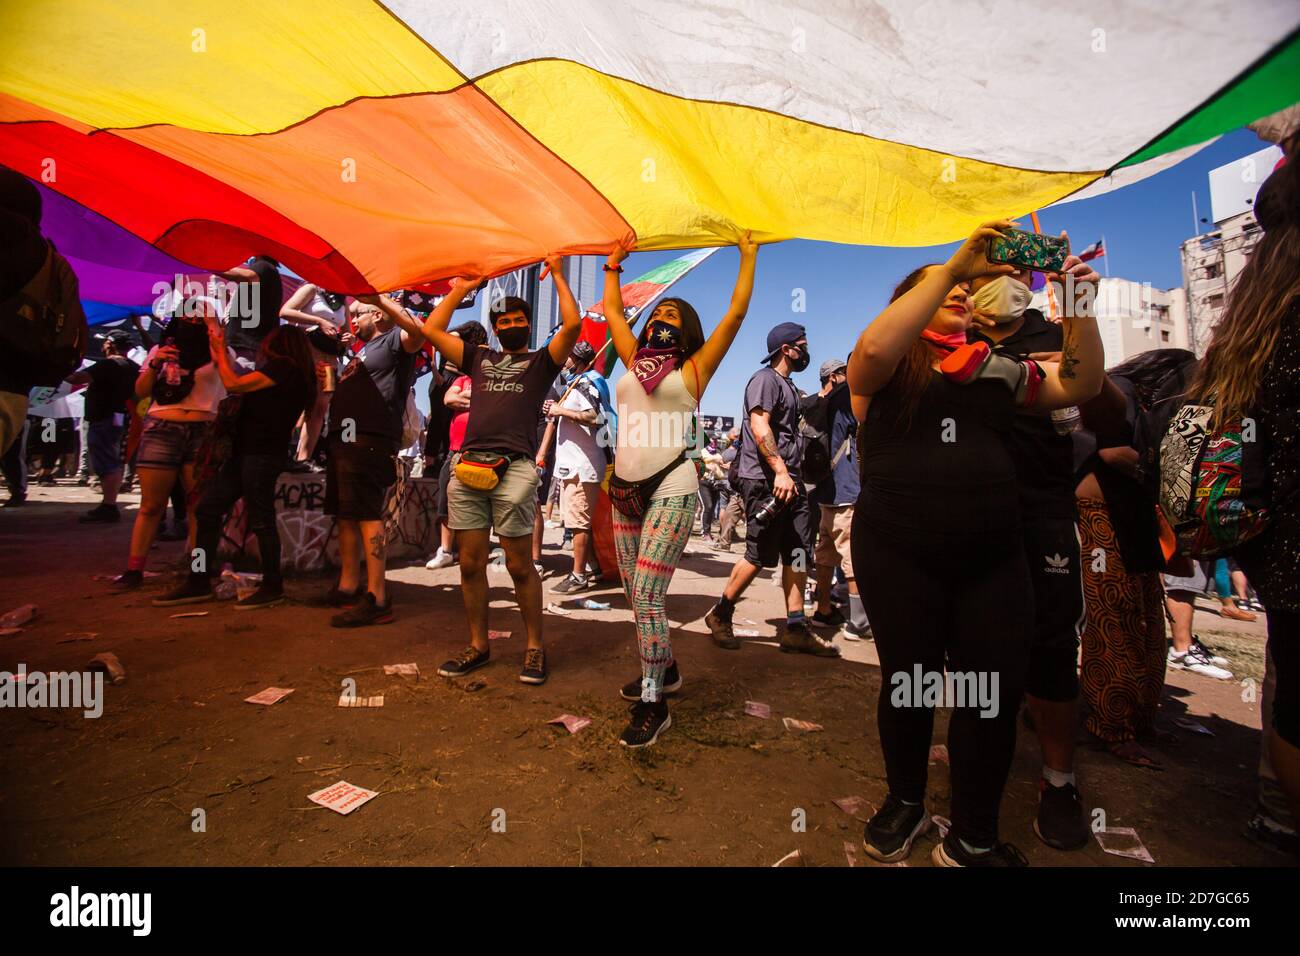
[(712, 352), (435, 326), (620, 332), (1080, 374), (235, 383), (884, 342), (413, 337), (571, 320), (292, 311)]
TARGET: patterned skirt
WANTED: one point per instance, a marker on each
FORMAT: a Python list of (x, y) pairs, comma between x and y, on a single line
[(1124, 649)]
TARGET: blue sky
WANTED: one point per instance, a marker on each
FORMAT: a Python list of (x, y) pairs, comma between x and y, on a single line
[(845, 286)]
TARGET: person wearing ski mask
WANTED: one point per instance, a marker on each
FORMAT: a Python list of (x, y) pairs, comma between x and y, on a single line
[(1044, 468)]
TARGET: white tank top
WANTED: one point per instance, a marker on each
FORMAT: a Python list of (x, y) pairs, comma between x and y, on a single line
[(320, 308), (652, 431)]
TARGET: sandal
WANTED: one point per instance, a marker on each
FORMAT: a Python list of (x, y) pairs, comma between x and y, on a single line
[(1131, 752)]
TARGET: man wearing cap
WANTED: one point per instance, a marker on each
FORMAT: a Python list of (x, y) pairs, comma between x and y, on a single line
[(582, 450), (110, 384), (834, 496), (778, 518)]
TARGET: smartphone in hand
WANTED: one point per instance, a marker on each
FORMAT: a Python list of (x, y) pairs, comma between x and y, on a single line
[(1029, 250)]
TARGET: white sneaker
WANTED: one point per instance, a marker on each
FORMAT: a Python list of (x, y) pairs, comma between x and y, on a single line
[(552, 524), (1212, 657), (440, 560), (1196, 662)]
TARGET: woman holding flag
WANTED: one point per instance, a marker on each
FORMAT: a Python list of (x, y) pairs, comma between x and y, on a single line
[(655, 485)]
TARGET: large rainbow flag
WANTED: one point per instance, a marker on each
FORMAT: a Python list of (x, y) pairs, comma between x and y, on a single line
[(378, 147)]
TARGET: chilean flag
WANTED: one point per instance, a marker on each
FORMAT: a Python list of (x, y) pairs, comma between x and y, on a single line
[(1094, 251)]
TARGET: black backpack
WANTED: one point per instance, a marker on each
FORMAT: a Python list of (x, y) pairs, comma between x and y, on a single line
[(43, 329), (815, 430)]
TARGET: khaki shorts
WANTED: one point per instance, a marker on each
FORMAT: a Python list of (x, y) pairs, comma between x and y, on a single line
[(833, 531), (509, 507), (577, 499)]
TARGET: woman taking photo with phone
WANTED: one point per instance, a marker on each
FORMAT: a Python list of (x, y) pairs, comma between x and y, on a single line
[(937, 546), (655, 485), (186, 389)]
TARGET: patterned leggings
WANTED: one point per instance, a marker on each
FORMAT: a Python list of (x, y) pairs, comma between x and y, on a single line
[(648, 552)]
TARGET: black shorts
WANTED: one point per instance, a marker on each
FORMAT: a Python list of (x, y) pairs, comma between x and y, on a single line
[(786, 537), (358, 475), (1052, 550)]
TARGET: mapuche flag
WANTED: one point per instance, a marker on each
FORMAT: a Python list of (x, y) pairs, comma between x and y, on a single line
[(637, 295)]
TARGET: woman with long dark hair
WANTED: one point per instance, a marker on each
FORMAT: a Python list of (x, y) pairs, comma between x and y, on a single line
[(1252, 370), (938, 549), (669, 364), (282, 388)]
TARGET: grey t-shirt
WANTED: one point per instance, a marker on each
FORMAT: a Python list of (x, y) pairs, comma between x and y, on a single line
[(771, 392)]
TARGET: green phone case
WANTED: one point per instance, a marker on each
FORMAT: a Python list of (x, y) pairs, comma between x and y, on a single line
[(1029, 250)]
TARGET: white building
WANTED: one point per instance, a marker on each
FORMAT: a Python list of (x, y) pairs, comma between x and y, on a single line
[(1213, 260), (585, 280), (1133, 317)]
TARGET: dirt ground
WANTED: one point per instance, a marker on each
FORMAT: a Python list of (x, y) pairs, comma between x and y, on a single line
[(720, 788)]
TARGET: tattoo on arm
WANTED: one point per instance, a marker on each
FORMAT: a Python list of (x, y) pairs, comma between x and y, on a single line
[(767, 447), (1068, 361)]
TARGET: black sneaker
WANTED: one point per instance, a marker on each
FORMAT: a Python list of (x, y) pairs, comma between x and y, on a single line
[(15, 501), (534, 669), (1060, 822), (833, 619), (721, 632), (104, 514), (470, 659), (267, 595), (647, 722), (575, 584), (851, 632), (798, 639), (672, 684), (195, 590), (889, 834), (950, 852), (367, 611), (127, 581), (341, 599)]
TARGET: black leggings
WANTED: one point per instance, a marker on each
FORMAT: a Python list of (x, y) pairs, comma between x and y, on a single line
[(251, 477), (971, 608)]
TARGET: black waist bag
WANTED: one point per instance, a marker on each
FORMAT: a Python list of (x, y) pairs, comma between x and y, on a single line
[(632, 498)]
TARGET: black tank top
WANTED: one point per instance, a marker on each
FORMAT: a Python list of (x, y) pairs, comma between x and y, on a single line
[(944, 475)]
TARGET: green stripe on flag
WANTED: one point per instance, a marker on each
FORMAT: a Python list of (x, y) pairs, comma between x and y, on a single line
[(1270, 85)]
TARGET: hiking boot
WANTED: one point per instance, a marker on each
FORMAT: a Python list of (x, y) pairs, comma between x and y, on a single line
[(195, 590), (575, 584), (672, 684), (721, 631), (646, 723), (367, 611), (1060, 822), (104, 514), (470, 659), (798, 639), (127, 581), (950, 852), (832, 618), (267, 595), (889, 835), (534, 669)]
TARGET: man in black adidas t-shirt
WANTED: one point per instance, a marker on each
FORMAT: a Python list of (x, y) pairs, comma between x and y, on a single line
[(361, 455), (509, 385)]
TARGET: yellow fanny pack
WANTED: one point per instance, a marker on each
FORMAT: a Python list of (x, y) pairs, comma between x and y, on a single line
[(482, 470)]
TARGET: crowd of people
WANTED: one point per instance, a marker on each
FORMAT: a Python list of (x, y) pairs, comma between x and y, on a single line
[(969, 487)]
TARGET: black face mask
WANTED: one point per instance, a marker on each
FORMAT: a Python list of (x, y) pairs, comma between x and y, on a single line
[(801, 363), (661, 335), (513, 338)]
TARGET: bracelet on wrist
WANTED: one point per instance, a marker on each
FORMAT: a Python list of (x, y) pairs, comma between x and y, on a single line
[(608, 268)]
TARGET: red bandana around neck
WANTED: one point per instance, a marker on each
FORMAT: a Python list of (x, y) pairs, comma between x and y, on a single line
[(652, 366), (953, 340)]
